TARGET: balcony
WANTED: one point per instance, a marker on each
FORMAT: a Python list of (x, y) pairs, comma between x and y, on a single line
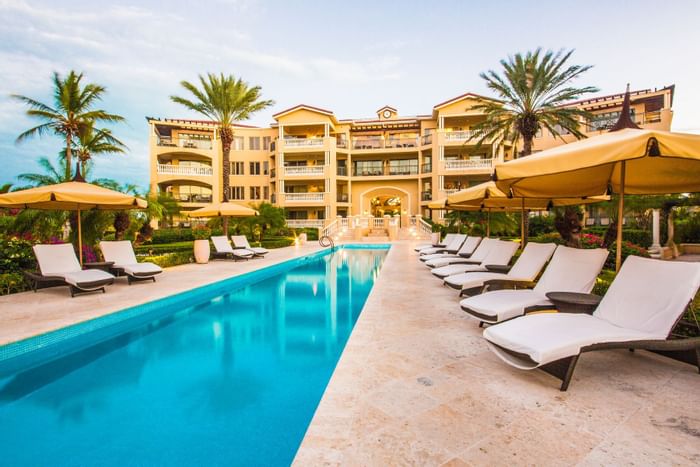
[(470, 164), (342, 198), (342, 171), (387, 171), (426, 139), (304, 197), (193, 198), (426, 168), (426, 196), (341, 143), (607, 121), (186, 143), (304, 170), (303, 142), (273, 173), (305, 223), (169, 169), (461, 136), (390, 143)]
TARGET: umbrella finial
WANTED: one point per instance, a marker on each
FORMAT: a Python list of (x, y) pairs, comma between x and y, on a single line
[(625, 121), (78, 176)]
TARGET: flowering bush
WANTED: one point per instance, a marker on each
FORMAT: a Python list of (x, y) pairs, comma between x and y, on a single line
[(15, 255), (89, 254), (201, 233)]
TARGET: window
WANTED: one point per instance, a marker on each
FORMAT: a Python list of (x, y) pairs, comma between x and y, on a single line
[(403, 167), (255, 168), (237, 143), (254, 192), (254, 143), (266, 142), (368, 168), (237, 168), (266, 167), (266, 192), (236, 192)]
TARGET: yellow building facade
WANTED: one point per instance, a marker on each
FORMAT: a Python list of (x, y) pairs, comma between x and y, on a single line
[(321, 168)]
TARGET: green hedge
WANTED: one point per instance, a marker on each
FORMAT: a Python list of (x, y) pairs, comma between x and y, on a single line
[(175, 235), (277, 242), (170, 259), (636, 236), (164, 248)]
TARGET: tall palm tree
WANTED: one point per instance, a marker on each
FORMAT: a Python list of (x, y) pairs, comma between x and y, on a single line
[(72, 111), (225, 100), (532, 89), (92, 142)]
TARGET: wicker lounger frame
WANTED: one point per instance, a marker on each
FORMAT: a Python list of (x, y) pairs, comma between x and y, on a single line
[(43, 282), (137, 277), (229, 255)]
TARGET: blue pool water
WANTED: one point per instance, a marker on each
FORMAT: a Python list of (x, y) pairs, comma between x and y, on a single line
[(229, 374)]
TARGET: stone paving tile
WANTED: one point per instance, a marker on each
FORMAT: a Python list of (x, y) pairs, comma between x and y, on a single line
[(416, 385)]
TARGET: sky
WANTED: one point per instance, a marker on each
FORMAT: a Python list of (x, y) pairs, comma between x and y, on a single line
[(350, 57)]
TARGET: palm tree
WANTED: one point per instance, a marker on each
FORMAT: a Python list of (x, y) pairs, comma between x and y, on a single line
[(532, 90), (225, 100), (73, 110), (92, 142)]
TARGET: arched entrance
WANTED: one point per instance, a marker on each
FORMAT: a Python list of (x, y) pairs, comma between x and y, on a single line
[(385, 205), (380, 201)]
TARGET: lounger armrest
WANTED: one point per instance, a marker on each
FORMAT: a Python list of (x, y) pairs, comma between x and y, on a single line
[(504, 268), (506, 284), (468, 262)]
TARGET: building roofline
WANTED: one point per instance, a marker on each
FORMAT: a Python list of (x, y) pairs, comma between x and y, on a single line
[(304, 106), (198, 122), (463, 96), (621, 95), (385, 108)]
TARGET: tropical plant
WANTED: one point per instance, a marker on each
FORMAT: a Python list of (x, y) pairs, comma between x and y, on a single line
[(225, 100), (72, 111), (5, 188), (533, 90), (92, 142), (269, 217)]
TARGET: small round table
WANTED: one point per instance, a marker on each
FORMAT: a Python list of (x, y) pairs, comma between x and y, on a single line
[(102, 265), (573, 302)]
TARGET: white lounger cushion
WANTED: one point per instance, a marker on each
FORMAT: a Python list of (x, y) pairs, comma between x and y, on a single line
[(571, 270), (477, 257), (241, 241), (499, 254), (454, 245), (60, 261), (475, 279), (221, 244), (122, 254), (548, 337), (467, 248), (445, 241)]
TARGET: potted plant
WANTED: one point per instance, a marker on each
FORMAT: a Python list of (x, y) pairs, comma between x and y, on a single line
[(201, 244)]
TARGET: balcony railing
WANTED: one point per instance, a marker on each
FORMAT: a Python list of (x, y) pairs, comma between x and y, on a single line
[(426, 139), (426, 196), (273, 173), (426, 168), (185, 142), (342, 171), (461, 136), (305, 223), (305, 197), (450, 191), (303, 142), (469, 164), (304, 170), (193, 198), (342, 198), (381, 172), (406, 142), (169, 169), (608, 121), (390, 143), (341, 143), (273, 145)]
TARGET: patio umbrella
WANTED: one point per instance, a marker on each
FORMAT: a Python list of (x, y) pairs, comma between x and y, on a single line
[(627, 160), (227, 209), (76, 195)]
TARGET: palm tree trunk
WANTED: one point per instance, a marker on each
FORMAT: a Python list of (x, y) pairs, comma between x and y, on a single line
[(226, 140), (69, 154), (527, 145)]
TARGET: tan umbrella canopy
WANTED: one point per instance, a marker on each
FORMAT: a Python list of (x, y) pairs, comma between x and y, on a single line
[(627, 160), (71, 196), (223, 209)]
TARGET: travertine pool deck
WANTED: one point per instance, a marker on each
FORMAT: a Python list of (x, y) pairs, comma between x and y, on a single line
[(29, 314), (416, 385)]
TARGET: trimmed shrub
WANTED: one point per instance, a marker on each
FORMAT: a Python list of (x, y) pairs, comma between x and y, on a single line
[(539, 225), (170, 259), (12, 282), (162, 249), (15, 255), (277, 242)]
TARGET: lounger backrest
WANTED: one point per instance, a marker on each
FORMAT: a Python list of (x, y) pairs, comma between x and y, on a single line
[(221, 244), (456, 242), (240, 241), (650, 295), (120, 252), (56, 259), (572, 270), (483, 249), (501, 253), (532, 260), (469, 245), (448, 238)]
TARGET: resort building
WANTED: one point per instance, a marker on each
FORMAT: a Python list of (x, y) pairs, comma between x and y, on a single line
[(319, 167)]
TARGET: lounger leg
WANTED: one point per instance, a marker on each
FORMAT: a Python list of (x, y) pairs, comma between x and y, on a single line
[(562, 369), (481, 324)]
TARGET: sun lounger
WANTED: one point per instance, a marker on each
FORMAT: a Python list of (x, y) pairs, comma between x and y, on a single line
[(441, 268), (525, 270), (240, 241), (642, 306), (452, 247), (465, 251), (224, 250), (500, 254), (443, 243), (58, 262), (570, 270), (125, 263)]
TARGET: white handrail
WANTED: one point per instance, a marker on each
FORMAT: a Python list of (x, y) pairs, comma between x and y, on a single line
[(298, 223), (424, 227), (330, 229), (169, 169), (300, 142), (305, 197), (461, 164), (304, 170)]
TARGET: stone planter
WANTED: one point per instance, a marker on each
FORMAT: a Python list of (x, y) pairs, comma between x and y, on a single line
[(201, 251), (435, 238)]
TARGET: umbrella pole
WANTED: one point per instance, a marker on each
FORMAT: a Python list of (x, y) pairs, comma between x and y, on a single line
[(522, 223), (80, 239), (620, 218)]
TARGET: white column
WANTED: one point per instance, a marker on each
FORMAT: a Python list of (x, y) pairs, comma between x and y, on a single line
[(326, 129), (656, 230)]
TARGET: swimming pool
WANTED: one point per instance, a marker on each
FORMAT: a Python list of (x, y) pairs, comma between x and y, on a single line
[(230, 373)]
